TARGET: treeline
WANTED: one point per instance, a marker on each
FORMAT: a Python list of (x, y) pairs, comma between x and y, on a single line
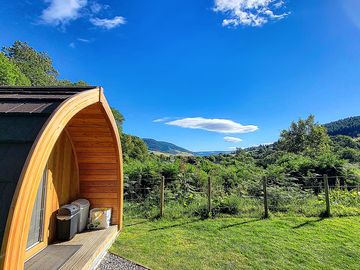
[(348, 126)]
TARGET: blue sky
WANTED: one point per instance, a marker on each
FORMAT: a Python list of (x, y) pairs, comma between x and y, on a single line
[(217, 70)]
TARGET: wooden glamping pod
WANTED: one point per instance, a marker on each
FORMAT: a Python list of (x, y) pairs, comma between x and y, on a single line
[(56, 145)]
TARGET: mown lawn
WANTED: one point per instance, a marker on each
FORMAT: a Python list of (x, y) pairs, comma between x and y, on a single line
[(242, 243)]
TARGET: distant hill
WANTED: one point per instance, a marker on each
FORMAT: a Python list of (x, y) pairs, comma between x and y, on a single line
[(348, 126), (165, 147), (159, 147)]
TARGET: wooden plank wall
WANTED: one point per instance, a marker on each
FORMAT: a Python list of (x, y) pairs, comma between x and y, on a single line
[(63, 181), (95, 148)]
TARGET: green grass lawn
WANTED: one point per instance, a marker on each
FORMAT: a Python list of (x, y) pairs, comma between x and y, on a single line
[(242, 243)]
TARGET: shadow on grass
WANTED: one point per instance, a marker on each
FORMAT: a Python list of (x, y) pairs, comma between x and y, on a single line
[(309, 222), (240, 223), (136, 223), (175, 225)]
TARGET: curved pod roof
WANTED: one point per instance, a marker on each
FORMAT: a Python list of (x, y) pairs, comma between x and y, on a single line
[(41, 115)]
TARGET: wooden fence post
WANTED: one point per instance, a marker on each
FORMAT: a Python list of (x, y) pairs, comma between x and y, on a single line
[(209, 196), (266, 206), (327, 196), (162, 196)]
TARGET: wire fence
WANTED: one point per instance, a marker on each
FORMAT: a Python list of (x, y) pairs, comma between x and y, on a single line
[(308, 196)]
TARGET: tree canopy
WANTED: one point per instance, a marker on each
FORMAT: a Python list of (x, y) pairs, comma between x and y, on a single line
[(36, 66), (304, 136), (10, 74)]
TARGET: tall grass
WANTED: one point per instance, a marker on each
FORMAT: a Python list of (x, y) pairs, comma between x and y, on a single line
[(343, 203)]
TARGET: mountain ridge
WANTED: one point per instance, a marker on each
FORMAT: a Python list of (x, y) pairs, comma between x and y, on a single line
[(165, 147)]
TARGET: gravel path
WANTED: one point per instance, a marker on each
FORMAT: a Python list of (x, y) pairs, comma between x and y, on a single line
[(113, 262)]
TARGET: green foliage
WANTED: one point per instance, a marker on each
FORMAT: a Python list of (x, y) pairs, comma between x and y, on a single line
[(119, 118), (341, 141), (348, 126), (10, 74), (294, 177), (37, 66), (347, 148), (305, 136), (69, 83), (133, 148), (350, 154)]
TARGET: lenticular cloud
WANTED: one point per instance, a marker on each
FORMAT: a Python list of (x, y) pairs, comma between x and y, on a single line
[(215, 125)]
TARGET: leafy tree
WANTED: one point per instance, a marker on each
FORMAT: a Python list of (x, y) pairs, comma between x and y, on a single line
[(133, 147), (10, 74), (305, 136), (69, 83), (37, 66), (119, 118), (342, 141), (350, 154)]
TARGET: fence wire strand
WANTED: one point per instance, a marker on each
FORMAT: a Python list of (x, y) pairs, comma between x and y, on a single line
[(289, 196)]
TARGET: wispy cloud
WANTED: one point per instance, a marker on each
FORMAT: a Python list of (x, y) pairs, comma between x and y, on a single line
[(84, 40), (250, 12), (62, 12), (215, 125), (232, 139), (108, 23), (79, 40), (164, 119), (232, 148), (96, 7)]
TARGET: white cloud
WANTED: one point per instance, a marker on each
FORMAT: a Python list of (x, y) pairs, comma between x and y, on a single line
[(232, 148), (215, 125), (84, 40), (72, 45), (60, 12), (108, 23), (232, 139), (96, 7), (250, 12), (164, 119)]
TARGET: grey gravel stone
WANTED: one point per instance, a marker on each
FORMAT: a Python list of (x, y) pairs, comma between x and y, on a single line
[(113, 262)]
